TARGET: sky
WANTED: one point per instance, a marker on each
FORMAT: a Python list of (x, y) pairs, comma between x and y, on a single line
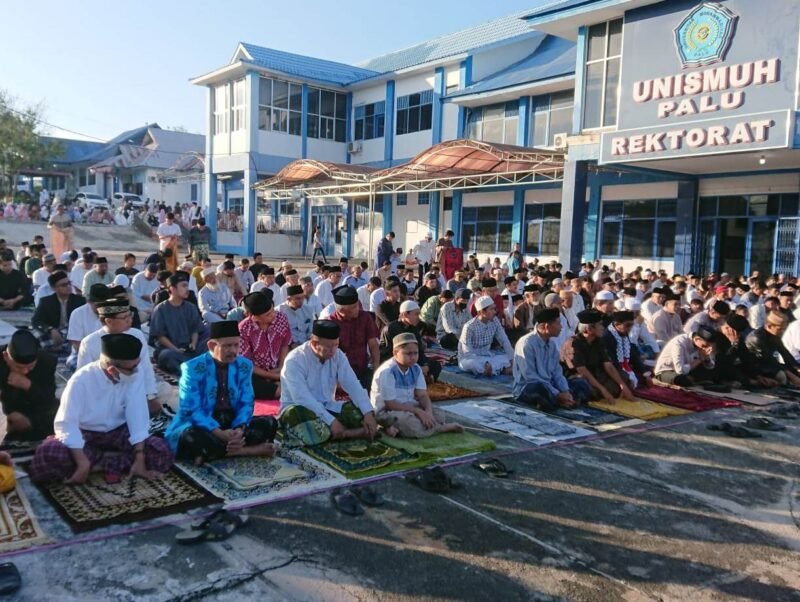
[(99, 68)]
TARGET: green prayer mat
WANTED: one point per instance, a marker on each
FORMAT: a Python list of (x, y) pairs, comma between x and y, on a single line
[(359, 458), (442, 445)]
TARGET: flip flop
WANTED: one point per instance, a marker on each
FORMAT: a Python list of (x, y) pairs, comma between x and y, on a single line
[(10, 580), (368, 496), (492, 467), (717, 388), (433, 480), (203, 523), (786, 412), (217, 527), (734, 430), (346, 503), (763, 424)]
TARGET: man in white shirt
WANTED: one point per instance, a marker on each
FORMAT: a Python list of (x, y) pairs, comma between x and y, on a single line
[(292, 279), (84, 321), (79, 271), (39, 277), (324, 290), (301, 316), (103, 423), (142, 289), (169, 234), (365, 292), (214, 300), (244, 275), (308, 292)]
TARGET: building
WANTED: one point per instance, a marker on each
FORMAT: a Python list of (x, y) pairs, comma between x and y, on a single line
[(676, 121)]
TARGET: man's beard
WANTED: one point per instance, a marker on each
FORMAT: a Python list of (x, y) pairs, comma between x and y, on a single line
[(213, 287)]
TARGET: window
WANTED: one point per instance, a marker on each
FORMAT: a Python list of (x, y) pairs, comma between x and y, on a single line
[(193, 192), (82, 178), (423, 198), (369, 121), (414, 112), (327, 113), (221, 104), (543, 228), (280, 106), (238, 110), (402, 199), (91, 177), (637, 228), (494, 123), (447, 203), (486, 229), (603, 55), (552, 114)]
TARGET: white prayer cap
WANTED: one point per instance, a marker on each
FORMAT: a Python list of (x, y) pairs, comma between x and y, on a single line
[(208, 271), (604, 296), (483, 303), (429, 235), (65, 257), (122, 280), (632, 304), (557, 281), (408, 306), (619, 304), (187, 266)]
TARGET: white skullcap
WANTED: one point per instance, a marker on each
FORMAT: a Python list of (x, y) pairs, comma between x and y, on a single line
[(604, 296), (632, 304), (122, 280), (408, 306), (483, 303), (65, 257), (208, 271)]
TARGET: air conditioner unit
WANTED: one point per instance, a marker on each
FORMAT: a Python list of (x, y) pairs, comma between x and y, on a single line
[(152, 178), (353, 147), (560, 141)]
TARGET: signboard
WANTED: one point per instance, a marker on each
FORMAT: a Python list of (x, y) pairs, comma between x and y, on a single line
[(705, 78)]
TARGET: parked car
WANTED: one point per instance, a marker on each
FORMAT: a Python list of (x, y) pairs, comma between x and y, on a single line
[(122, 198), (89, 200)]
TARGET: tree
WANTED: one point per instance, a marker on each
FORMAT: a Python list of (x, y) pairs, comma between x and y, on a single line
[(21, 146)]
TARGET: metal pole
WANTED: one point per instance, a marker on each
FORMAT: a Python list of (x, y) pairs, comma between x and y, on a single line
[(370, 254)]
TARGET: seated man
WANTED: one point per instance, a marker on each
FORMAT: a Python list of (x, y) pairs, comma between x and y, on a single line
[(538, 377), (431, 309), (712, 318), (310, 413), (265, 337), (388, 310), (83, 321), (115, 316), (214, 299), (623, 353), (452, 318), (358, 335), (687, 359), (143, 286), (51, 316), (666, 323), (103, 421), (215, 417), (15, 288), (400, 396), (734, 362), (299, 314), (589, 359), (525, 313), (28, 388), (765, 347), (475, 345), (409, 322), (176, 326)]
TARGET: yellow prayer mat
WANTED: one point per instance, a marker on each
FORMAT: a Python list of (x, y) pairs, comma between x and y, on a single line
[(640, 408)]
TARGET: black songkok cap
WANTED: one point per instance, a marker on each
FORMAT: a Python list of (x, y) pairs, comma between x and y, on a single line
[(737, 322), (116, 290), (121, 346), (101, 260), (722, 308), (325, 329), (590, 316), (547, 315), (178, 277), (23, 347), (99, 292), (224, 329), (705, 333), (257, 303), (621, 316), (291, 272), (294, 289), (335, 269), (345, 295), (55, 278), (112, 307), (532, 288), (488, 283), (268, 271)]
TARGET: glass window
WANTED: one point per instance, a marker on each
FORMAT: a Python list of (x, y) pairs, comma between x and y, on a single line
[(639, 228), (665, 239), (640, 209), (593, 102), (733, 205), (667, 208), (708, 206), (789, 204), (551, 234), (402, 199), (423, 198), (597, 42), (611, 238), (543, 228), (486, 229), (637, 238), (280, 106), (603, 56), (494, 123), (324, 108), (414, 112), (533, 244), (369, 121)]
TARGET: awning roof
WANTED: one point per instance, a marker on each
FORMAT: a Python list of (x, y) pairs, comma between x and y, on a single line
[(451, 165)]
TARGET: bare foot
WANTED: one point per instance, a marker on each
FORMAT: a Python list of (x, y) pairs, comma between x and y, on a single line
[(487, 369), (452, 427)]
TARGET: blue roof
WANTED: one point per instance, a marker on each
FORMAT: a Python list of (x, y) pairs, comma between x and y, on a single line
[(459, 42), (78, 151), (305, 66), (74, 150), (554, 57), (552, 8)]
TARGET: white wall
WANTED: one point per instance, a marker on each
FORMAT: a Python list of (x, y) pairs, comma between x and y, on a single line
[(279, 245), (409, 145), (409, 222), (327, 150), (371, 150), (240, 139), (279, 144), (633, 192), (221, 144)]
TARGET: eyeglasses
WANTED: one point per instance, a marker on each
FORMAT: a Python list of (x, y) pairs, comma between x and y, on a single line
[(125, 316)]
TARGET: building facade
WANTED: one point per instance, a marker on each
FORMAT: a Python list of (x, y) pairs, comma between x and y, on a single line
[(678, 121)]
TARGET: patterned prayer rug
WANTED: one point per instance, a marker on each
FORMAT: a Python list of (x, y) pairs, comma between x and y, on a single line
[(18, 525), (595, 419), (289, 475), (442, 445), (19, 449), (642, 409), (483, 385), (18, 318), (359, 458), (755, 398), (97, 504), (530, 425), (440, 391), (681, 398)]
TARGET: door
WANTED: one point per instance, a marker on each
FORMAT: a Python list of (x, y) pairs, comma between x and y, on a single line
[(330, 229), (731, 243), (787, 244), (707, 244), (761, 246)]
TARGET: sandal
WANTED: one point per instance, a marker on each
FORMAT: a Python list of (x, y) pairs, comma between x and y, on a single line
[(786, 412), (433, 480), (492, 467), (10, 580), (763, 424), (368, 496), (734, 430), (346, 503)]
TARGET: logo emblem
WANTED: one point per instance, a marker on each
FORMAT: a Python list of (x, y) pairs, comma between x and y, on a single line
[(705, 34)]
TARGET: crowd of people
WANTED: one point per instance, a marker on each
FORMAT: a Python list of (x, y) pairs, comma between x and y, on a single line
[(346, 350)]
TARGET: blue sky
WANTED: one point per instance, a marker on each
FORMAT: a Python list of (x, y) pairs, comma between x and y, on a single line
[(103, 67)]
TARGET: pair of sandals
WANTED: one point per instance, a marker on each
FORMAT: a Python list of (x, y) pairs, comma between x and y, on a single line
[(789, 412), (492, 467), (433, 480), (742, 430), (349, 501), (219, 526)]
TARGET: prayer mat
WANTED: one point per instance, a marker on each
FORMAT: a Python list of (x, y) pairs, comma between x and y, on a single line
[(96, 503), (267, 407), (442, 445), (530, 425), (19, 449), (440, 391), (6, 331), (755, 398), (642, 409), (596, 419), (308, 477), (441, 355), (359, 458), (681, 398), (18, 318), (484, 385), (165, 376), (18, 525)]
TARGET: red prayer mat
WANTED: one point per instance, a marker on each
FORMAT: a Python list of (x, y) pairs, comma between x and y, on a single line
[(267, 407), (688, 400)]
